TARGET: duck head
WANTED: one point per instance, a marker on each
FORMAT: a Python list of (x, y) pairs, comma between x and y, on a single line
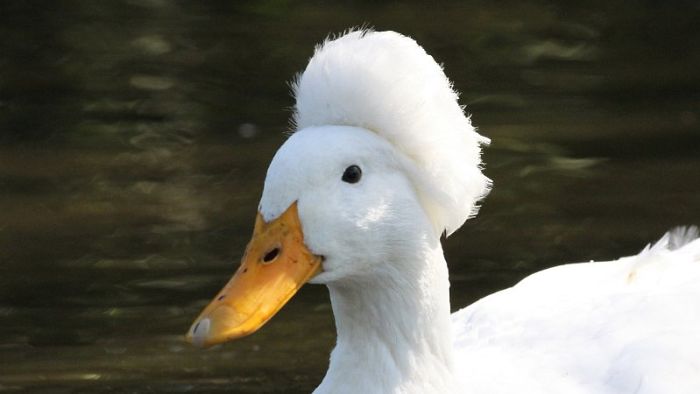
[(383, 156), (336, 203)]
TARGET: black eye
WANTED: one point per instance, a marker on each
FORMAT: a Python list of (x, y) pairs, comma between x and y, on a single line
[(352, 174)]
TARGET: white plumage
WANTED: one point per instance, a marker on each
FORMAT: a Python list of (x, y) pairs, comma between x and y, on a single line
[(377, 100), (624, 326), (386, 83)]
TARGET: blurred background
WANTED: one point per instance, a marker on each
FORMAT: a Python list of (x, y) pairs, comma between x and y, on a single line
[(135, 135)]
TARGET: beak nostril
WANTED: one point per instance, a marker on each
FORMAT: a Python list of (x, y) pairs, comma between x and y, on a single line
[(271, 255)]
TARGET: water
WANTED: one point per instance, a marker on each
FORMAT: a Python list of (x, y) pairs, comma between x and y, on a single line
[(134, 137)]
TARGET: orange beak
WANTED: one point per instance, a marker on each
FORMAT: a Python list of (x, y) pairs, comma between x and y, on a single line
[(275, 265)]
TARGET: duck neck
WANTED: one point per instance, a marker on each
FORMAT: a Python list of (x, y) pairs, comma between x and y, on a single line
[(394, 330)]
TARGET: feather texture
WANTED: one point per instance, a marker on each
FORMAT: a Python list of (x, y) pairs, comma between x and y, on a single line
[(624, 326), (386, 83)]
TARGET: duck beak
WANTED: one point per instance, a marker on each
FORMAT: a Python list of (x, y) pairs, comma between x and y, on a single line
[(275, 265)]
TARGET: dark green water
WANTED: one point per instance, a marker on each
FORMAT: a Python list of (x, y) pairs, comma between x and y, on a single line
[(134, 138)]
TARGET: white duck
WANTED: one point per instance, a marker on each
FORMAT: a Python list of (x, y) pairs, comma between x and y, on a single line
[(382, 163)]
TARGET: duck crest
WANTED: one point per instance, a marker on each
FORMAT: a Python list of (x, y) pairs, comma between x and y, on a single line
[(386, 83)]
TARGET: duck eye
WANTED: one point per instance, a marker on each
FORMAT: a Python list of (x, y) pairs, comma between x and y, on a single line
[(352, 174)]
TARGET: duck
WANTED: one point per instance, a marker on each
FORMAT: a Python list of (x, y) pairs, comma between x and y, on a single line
[(383, 163)]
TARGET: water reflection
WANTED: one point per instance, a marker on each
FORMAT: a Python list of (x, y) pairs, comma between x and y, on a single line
[(135, 137)]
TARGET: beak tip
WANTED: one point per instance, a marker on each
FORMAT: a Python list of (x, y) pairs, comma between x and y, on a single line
[(199, 333)]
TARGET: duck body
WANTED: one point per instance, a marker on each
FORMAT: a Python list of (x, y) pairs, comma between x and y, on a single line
[(383, 162), (624, 326)]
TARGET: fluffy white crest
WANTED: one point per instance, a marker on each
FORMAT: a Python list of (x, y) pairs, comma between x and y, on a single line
[(386, 83)]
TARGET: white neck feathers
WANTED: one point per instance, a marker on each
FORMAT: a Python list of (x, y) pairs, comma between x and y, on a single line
[(394, 331)]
